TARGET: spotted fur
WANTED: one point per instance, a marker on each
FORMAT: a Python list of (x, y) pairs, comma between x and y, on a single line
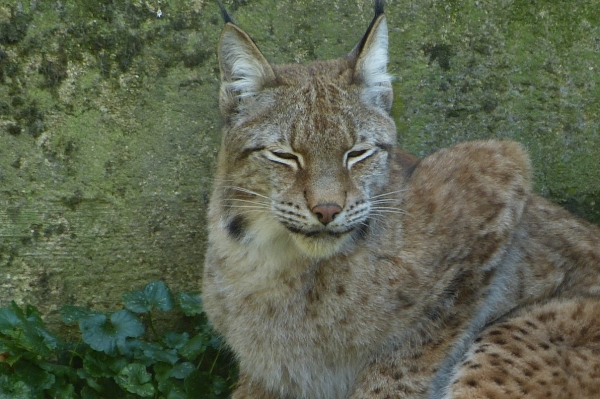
[(421, 284)]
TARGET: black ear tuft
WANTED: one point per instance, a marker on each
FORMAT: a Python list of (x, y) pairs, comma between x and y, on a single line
[(379, 5), (226, 17), (371, 56)]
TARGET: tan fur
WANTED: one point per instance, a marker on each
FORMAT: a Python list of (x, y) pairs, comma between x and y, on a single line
[(431, 267)]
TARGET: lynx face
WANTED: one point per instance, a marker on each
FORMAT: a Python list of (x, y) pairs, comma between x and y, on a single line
[(305, 148)]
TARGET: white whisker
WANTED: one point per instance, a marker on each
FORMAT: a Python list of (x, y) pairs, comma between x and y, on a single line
[(389, 193), (389, 210), (247, 191), (385, 201), (248, 207), (250, 201)]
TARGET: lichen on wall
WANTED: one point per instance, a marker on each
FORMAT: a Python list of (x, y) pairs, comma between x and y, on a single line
[(109, 120)]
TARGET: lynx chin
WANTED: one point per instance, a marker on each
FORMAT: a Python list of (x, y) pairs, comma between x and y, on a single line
[(340, 266)]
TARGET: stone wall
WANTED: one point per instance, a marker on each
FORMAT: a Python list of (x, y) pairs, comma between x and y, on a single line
[(109, 121)]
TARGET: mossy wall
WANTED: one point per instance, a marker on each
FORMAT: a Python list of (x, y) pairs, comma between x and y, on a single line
[(109, 120)]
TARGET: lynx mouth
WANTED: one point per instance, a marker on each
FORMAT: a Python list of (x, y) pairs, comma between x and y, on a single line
[(320, 243), (320, 233)]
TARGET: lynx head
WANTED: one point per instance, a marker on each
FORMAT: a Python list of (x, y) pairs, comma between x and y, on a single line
[(305, 147)]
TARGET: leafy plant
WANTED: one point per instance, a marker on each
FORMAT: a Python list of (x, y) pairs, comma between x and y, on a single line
[(119, 354)]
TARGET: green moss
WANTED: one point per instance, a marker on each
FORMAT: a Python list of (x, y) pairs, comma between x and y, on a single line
[(15, 29), (54, 72)]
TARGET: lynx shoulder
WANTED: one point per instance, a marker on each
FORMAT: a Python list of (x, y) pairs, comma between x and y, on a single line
[(340, 266)]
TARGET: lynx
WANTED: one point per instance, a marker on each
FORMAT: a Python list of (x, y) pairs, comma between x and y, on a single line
[(341, 266)]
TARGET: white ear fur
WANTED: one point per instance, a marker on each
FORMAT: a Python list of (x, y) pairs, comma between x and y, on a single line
[(371, 67), (244, 70)]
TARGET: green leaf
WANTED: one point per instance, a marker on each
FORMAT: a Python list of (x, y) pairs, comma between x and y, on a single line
[(62, 390), (194, 347), (182, 370), (176, 340), (173, 389), (198, 385), (89, 393), (8, 319), (137, 302), (15, 389), (99, 364), (98, 333), (155, 294), (33, 376), (32, 315), (59, 370), (91, 381), (162, 371), (127, 324), (213, 339), (135, 379), (105, 335), (95, 365), (11, 360), (151, 352), (219, 385), (190, 304), (159, 295), (26, 331)]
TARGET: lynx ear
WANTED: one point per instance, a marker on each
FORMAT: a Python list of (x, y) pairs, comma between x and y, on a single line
[(244, 70), (370, 70)]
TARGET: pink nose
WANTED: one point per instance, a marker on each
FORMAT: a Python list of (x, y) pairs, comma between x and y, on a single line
[(326, 212)]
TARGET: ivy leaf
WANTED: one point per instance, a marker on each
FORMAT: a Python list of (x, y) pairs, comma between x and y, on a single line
[(175, 340), (190, 304), (155, 294), (106, 335), (135, 379)]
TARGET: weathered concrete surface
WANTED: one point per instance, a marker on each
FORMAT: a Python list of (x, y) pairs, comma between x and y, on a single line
[(109, 119)]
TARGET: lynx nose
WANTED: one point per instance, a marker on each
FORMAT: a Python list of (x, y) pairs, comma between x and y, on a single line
[(326, 212)]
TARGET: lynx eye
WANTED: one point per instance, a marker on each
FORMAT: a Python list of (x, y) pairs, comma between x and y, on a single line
[(283, 157), (355, 156)]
